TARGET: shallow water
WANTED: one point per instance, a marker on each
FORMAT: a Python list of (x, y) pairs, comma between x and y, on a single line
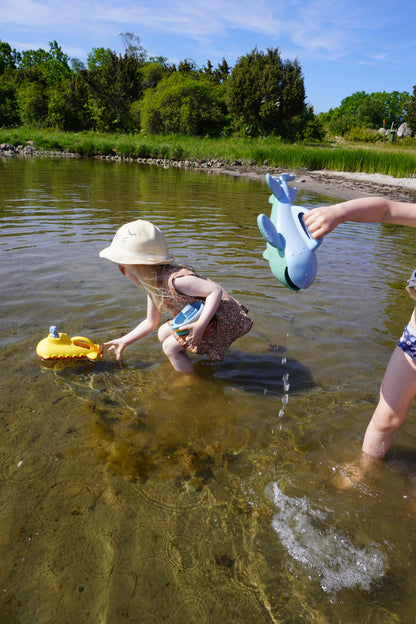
[(130, 494)]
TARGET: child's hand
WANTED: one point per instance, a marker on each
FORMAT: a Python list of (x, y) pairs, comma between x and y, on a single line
[(117, 346), (322, 220), (195, 332)]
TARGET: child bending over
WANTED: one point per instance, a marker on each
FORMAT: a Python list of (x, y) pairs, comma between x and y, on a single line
[(141, 253)]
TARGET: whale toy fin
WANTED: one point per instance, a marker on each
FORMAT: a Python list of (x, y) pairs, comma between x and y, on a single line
[(287, 177), (280, 188), (269, 232), (274, 185)]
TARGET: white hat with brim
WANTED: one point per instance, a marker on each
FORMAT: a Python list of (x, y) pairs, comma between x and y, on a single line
[(138, 242)]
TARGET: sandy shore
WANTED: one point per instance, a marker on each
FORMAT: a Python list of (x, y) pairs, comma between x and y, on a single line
[(336, 184), (351, 185)]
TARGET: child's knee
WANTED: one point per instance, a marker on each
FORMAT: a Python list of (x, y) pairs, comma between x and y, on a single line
[(387, 420), (177, 355), (164, 332), (170, 346)]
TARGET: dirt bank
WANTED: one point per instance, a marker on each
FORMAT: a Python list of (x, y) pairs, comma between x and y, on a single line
[(335, 184)]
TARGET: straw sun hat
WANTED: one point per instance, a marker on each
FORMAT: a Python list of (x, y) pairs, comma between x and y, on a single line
[(138, 242)]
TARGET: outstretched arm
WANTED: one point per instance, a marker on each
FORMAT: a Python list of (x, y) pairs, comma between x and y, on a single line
[(322, 220), (145, 327)]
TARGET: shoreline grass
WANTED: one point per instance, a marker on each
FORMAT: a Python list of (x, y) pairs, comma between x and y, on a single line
[(379, 158)]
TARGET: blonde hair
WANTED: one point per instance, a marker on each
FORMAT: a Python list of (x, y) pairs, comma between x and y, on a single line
[(147, 278)]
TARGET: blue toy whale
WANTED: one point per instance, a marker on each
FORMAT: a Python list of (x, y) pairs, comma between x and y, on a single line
[(290, 248)]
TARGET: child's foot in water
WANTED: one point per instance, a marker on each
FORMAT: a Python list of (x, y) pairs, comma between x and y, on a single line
[(352, 474)]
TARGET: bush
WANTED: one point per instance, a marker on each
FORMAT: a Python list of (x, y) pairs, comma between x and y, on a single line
[(33, 98), (362, 135), (182, 105)]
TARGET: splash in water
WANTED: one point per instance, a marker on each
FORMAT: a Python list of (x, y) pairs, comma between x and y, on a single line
[(309, 538)]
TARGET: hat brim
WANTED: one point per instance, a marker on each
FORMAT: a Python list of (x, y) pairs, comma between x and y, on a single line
[(111, 254)]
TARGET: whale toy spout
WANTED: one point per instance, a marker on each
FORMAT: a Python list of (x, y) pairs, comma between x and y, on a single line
[(290, 249)]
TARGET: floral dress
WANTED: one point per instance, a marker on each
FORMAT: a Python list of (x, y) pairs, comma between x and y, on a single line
[(228, 323)]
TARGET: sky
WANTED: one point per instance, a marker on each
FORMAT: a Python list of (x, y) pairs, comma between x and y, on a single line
[(342, 46)]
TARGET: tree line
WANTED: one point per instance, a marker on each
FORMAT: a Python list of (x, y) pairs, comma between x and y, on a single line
[(372, 111), (131, 92), (261, 95)]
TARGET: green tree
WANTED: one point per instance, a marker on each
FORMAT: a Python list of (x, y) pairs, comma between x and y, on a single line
[(222, 71), (9, 109), (33, 98), (132, 46), (52, 64), (180, 104), (9, 59), (98, 57), (151, 74), (265, 93), (77, 65), (68, 105), (396, 106), (340, 124), (219, 74), (208, 70), (114, 82), (38, 74), (411, 112), (188, 67), (311, 128), (369, 110)]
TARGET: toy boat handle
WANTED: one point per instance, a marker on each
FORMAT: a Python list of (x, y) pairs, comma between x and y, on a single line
[(311, 243), (81, 341)]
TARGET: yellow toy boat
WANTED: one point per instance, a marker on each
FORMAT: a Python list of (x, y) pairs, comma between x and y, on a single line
[(59, 346)]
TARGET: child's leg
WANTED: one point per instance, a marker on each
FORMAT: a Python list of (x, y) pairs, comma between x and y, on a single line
[(398, 389), (173, 350)]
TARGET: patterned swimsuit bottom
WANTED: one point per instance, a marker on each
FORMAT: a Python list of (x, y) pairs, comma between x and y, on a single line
[(407, 341)]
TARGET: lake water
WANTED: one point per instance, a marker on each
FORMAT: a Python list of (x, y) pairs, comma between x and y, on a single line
[(129, 494)]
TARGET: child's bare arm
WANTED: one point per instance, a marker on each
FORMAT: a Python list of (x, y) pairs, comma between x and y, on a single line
[(145, 327), (323, 219)]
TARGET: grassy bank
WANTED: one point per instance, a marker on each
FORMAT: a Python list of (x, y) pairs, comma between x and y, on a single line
[(379, 158)]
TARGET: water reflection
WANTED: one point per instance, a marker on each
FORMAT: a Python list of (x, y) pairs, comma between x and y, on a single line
[(138, 496)]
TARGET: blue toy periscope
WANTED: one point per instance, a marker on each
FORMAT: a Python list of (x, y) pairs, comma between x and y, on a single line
[(290, 248)]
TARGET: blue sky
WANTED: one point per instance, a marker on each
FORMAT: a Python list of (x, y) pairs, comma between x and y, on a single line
[(343, 46)]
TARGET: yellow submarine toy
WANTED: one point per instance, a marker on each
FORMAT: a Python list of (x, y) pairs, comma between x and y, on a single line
[(59, 346)]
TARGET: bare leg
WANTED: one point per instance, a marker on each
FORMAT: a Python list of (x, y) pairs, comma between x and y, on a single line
[(398, 389), (173, 350)]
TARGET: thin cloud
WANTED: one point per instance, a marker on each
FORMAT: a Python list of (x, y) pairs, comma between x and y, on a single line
[(342, 46), (325, 27)]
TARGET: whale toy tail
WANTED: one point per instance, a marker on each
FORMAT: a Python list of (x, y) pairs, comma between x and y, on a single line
[(290, 249)]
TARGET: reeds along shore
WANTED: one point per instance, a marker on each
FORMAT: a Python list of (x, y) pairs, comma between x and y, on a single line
[(397, 161)]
